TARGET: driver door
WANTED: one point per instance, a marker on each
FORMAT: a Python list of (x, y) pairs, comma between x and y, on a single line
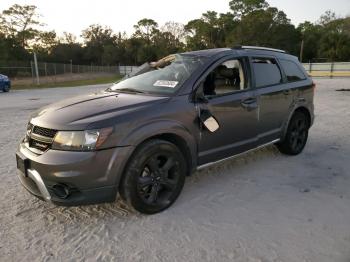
[(228, 98)]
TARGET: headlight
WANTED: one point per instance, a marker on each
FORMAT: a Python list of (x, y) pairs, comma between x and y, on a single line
[(81, 140)]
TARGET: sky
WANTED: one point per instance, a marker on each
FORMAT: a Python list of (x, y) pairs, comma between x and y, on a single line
[(75, 15)]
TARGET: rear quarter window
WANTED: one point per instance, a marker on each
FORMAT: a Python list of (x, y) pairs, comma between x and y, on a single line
[(266, 72), (292, 71)]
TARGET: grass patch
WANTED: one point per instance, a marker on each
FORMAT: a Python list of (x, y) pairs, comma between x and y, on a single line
[(73, 83)]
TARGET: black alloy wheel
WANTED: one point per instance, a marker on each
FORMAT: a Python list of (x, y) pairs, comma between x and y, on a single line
[(154, 177), (296, 136)]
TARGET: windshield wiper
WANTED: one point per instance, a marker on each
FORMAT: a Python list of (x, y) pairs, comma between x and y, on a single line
[(130, 90), (126, 90)]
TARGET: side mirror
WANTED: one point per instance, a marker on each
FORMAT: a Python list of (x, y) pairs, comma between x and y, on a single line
[(208, 120)]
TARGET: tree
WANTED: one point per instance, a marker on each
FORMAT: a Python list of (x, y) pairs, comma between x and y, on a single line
[(177, 30), (209, 31), (68, 38), (267, 27), (97, 35), (243, 7), (335, 39), (327, 17), (96, 38), (45, 41), (250, 22), (311, 35), (19, 22), (11, 50), (146, 29)]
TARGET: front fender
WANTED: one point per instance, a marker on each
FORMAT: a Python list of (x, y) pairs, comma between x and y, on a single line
[(160, 127)]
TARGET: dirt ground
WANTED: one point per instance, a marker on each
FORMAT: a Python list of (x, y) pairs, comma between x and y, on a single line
[(261, 207)]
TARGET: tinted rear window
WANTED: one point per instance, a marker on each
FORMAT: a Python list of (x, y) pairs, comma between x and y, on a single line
[(266, 72), (292, 71)]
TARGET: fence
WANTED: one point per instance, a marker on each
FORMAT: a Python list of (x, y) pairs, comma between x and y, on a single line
[(27, 69), (24, 73), (336, 69), (124, 70)]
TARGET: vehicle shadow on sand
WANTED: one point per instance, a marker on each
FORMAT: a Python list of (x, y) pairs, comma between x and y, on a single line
[(196, 187), (120, 210)]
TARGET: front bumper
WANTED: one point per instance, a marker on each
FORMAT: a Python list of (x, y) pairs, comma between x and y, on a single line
[(3, 84), (87, 177)]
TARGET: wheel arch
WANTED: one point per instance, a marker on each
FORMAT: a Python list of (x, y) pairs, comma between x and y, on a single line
[(168, 130), (173, 138), (305, 111), (302, 109)]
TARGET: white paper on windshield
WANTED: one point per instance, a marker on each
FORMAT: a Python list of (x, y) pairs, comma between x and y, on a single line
[(166, 83)]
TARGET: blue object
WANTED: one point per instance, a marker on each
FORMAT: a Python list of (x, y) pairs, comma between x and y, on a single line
[(5, 83)]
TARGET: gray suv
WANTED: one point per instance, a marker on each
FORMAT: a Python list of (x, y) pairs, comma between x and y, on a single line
[(142, 136)]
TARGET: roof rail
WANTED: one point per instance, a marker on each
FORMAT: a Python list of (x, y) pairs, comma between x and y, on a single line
[(259, 48)]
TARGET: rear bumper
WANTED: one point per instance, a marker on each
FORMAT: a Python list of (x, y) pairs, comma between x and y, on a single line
[(74, 178)]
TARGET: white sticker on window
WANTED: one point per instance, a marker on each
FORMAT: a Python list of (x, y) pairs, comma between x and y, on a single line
[(166, 83)]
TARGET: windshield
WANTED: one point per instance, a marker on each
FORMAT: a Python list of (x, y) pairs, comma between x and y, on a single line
[(164, 77)]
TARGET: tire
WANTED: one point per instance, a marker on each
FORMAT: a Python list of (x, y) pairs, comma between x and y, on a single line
[(296, 136), (6, 89), (154, 177)]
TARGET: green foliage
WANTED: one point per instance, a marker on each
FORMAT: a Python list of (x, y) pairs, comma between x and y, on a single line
[(244, 7), (250, 22), (19, 22)]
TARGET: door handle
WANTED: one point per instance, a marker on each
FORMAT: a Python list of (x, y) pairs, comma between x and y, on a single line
[(249, 103)]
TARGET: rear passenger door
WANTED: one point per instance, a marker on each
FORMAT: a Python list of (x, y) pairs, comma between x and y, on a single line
[(274, 98)]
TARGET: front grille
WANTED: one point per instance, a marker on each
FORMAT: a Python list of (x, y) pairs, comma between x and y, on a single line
[(40, 138), (46, 132), (39, 145)]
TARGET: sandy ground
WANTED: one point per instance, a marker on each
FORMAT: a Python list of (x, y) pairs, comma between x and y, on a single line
[(261, 207)]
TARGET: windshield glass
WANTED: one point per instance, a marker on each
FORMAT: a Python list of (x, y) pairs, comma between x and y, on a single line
[(163, 77)]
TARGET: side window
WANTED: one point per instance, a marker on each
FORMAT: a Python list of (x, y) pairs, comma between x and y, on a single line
[(292, 71), (266, 71), (226, 78)]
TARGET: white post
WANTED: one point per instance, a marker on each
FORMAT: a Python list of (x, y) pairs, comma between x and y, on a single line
[(32, 69), (36, 69)]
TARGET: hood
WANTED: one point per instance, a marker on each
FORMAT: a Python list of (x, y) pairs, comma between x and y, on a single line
[(83, 112)]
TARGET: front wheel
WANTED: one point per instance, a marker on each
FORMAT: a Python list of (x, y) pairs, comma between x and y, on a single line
[(154, 177), (296, 136), (6, 88)]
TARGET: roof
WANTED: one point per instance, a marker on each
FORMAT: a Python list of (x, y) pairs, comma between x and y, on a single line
[(208, 52), (260, 48), (242, 50)]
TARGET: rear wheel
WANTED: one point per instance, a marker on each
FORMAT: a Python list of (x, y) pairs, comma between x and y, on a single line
[(154, 177), (296, 136)]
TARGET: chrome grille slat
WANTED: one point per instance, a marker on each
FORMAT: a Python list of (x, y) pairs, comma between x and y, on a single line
[(40, 138), (46, 132)]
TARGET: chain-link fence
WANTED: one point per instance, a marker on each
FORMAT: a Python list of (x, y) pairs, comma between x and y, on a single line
[(125, 70), (26, 72), (27, 69)]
